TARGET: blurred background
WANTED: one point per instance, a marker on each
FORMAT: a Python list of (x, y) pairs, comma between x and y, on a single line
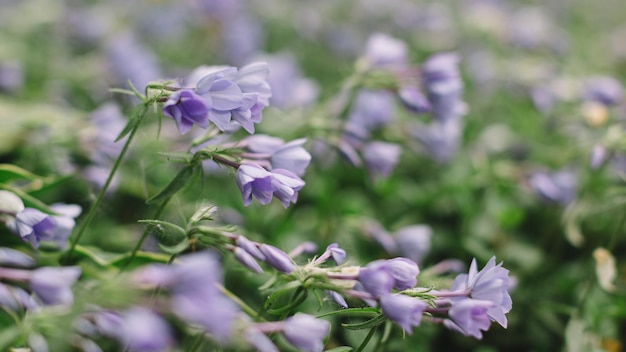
[(536, 178)]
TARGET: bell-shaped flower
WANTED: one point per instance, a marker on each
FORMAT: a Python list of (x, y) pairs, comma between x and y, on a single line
[(306, 332), (413, 242), (403, 310), (278, 259), (383, 50), (144, 331), (187, 108), (469, 317), (53, 285), (254, 180), (286, 185), (490, 284), (380, 158), (291, 156)]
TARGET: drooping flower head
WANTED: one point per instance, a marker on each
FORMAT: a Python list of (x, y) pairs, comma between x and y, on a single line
[(306, 332), (403, 310), (187, 108)]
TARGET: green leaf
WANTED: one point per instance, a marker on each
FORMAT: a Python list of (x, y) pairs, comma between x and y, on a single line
[(10, 172), (175, 249), (136, 116), (179, 181), (8, 336), (106, 259), (352, 311), (381, 318), (177, 155)]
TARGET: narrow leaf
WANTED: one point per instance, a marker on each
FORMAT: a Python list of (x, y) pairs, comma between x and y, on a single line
[(366, 324), (179, 181), (137, 115)]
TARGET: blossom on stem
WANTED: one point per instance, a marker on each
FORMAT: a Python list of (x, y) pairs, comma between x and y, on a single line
[(254, 180), (278, 259), (381, 158), (286, 185), (53, 285), (306, 332), (490, 284), (403, 310), (470, 317), (187, 108)]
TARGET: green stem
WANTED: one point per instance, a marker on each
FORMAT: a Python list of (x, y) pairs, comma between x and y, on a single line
[(367, 339), (144, 235), (197, 343), (246, 308), (96, 204)]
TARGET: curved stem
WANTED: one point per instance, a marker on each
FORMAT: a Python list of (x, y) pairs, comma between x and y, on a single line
[(367, 339), (95, 205)]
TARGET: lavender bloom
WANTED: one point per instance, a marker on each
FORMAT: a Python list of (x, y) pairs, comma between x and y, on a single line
[(64, 222), (221, 94), (249, 247), (372, 109), (254, 180), (259, 340), (413, 99), (599, 154), (413, 242), (292, 157), (490, 284), (470, 317), (443, 85), (15, 298), (381, 157), (286, 185), (441, 139), (376, 278), (53, 285), (404, 272), (603, 89), (337, 298), (403, 310), (11, 76), (144, 331), (383, 50), (13, 257), (338, 254), (32, 226), (558, 187), (246, 259), (252, 79), (278, 259), (306, 332), (186, 108)]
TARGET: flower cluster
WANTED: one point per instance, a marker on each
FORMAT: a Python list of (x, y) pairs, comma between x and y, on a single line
[(222, 95), (33, 225)]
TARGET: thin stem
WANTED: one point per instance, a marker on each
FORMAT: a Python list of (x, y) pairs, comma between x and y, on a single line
[(198, 342), (222, 160), (245, 307), (94, 206), (144, 235), (367, 339)]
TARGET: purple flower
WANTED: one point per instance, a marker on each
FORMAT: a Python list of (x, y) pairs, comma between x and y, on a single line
[(246, 259), (305, 332), (490, 284), (286, 185), (384, 50), (603, 89), (130, 61), (144, 331), (413, 99), (53, 285), (599, 154), (250, 247), (259, 340), (289, 88), (262, 143), (15, 298), (13, 257), (470, 317), (209, 309), (381, 157), (338, 254), (372, 109), (186, 108), (403, 310), (254, 180), (376, 278), (443, 85), (413, 242), (221, 95), (32, 226), (337, 298), (278, 259), (441, 139), (404, 272), (292, 157), (558, 187)]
